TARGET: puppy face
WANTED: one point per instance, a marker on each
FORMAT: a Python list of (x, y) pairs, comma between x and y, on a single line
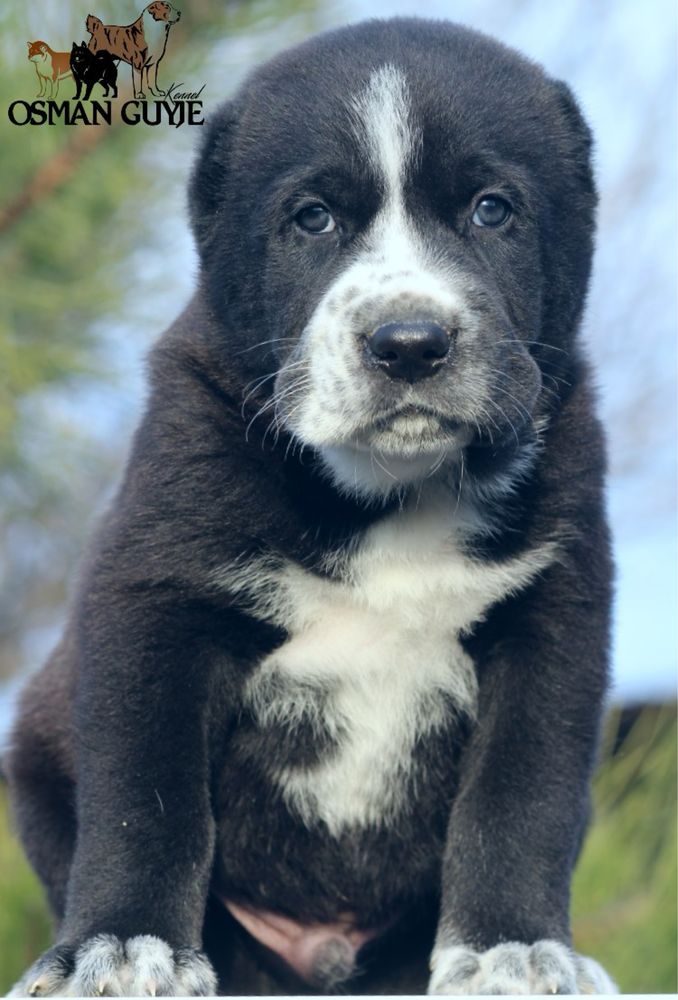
[(396, 222), (37, 52), (162, 11), (410, 348)]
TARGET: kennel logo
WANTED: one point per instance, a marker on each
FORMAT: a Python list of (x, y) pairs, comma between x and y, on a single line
[(101, 62)]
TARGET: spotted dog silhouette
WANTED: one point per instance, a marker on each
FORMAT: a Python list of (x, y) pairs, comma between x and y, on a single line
[(50, 66), (141, 44)]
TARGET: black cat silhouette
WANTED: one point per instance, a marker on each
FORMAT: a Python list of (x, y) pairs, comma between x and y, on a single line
[(89, 68)]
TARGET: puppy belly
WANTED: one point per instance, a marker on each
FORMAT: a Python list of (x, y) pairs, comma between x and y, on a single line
[(321, 954)]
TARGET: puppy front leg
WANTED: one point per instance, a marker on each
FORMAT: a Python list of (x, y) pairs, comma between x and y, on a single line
[(138, 884), (518, 820), (153, 87), (138, 82)]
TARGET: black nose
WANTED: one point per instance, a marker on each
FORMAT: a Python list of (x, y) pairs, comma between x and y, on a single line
[(411, 350)]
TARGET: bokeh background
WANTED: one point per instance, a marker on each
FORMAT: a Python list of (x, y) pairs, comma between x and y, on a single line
[(96, 258)]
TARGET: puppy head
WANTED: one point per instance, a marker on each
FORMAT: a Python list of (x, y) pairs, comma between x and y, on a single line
[(79, 54), (400, 213), (162, 11), (37, 51)]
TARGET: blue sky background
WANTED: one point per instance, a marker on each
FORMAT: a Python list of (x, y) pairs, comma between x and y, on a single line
[(619, 56)]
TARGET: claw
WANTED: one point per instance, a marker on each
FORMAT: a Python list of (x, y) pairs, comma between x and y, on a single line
[(152, 987)]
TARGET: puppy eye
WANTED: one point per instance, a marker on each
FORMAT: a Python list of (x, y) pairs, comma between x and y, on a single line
[(315, 219), (491, 211)]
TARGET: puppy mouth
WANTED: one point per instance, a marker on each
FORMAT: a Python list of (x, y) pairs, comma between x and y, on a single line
[(413, 429), (414, 415)]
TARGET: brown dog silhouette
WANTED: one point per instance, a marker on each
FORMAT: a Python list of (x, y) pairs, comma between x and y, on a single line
[(141, 44), (50, 66)]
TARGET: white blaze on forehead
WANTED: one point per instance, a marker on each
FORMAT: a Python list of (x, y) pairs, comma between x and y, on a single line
[(390, 275), (383, 124)]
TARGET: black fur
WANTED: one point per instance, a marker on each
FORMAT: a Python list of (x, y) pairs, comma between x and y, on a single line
[(89, 68), (136, 735)]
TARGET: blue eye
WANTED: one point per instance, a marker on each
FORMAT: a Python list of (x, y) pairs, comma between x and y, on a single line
[(491, 211), (315, 219)]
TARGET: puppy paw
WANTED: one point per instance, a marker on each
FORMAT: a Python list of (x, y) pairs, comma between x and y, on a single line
[(546, 967), (106, 966)]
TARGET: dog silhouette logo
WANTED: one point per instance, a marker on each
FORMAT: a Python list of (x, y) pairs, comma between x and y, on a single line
[(142, 43), (89, 68), (97, 62), (51, 67)]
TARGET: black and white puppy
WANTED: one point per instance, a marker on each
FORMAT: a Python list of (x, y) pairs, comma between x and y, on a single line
[(330, 693)]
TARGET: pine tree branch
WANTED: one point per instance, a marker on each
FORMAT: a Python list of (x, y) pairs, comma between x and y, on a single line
[(52, 174)]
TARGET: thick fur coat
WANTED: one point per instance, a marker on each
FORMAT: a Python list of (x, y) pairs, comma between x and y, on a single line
[(329, 697)]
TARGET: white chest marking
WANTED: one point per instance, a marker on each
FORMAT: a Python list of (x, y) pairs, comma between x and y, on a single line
[(384, 642)]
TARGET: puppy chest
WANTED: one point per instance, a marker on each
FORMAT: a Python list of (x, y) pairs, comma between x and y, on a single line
[(373, 669), (350, 696)]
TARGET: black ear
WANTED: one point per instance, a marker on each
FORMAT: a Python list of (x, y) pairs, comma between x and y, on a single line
[(578, 132), (567, 245), (570, 108), (207, 184)]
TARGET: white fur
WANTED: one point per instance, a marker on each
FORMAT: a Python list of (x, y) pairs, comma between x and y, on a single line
[(368, 472), (194, 975), (547, 967), (383, 125), (106, 966), (328, 403), (375, 657)]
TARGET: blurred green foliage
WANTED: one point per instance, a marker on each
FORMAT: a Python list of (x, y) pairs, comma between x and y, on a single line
[(624, 893), (63, 194), (25, 927), (58, 253), (76, 221)]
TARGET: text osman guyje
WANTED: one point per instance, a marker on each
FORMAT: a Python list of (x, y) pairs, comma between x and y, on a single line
[(181, 109)]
